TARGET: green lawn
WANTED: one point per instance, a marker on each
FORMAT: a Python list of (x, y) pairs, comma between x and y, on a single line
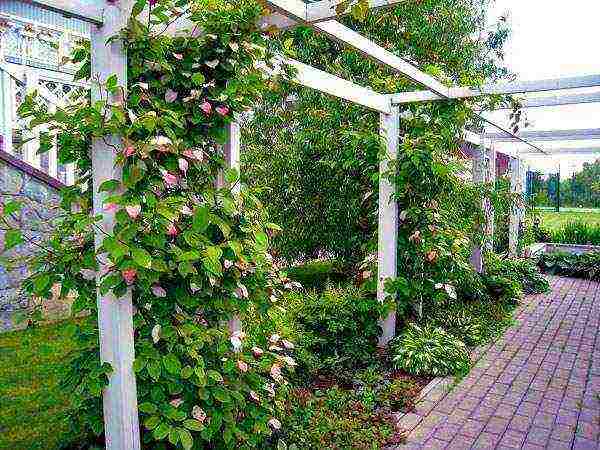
[(32, 407), (553, 220)]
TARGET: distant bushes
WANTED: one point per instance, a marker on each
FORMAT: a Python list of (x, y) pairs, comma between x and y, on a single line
[(572, 233)]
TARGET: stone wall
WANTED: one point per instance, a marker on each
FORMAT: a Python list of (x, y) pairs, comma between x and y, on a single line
[(40, 198)]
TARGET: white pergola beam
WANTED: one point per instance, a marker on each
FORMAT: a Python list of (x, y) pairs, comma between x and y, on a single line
[(577, 151), (326, 9), (338, 87), (370, 49), (549, 135), (557, 100), (523, 87), (87, 10)]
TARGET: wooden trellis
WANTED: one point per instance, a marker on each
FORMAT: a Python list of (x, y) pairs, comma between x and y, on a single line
[(108, 17)]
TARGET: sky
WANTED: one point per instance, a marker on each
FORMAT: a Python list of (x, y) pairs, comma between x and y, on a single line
[(552, 39)]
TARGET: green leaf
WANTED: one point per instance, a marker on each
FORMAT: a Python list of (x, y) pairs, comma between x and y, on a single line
[(12, 238), (186, 438), (194, 425), (192, 255), (115, 248), (173, 436), (262, 241), (148, 408), (161, 431), (231, 175), (40, 283), (214, 375), (142, 257), (198, 79), (12, 206), (151, 422), (201, 219), (172, 364)]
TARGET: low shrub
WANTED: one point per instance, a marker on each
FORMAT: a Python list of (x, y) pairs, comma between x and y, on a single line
[(586, 265), (334, 331), (317, 274), (430, 350), (507, 276), (577, 233), (334, 418)]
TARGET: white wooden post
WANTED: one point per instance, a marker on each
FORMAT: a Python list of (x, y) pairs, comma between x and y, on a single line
[(478, 178), (231, 153), (388, 223), (5, 111), (515, 213), (490, 178), (115, 315), (31, 147)]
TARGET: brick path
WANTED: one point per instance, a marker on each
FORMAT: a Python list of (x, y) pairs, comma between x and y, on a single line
[(537, 387)]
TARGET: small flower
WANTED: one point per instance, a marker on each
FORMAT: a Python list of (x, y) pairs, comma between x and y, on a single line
[(254, 396), (183, 164), (274, 338), (196, 32), (450, 290), (402, 215), (133, 211), (222, 110), (198, 414), (276, 372), (257, 351), (213, 63), (186, 210), (128, 151), (129, 275), (227, 263), (169, 179), (289, 361), (161, 141), (170, 96), (88, 274), (431, 256), (236, 343), (155, 333), (172, 230), (242, 366), (206, 107), (274, 423), (415, 237), (241, 291), (159, 291), (111, 207), (234, 46), (270, 388), (275, 348), (178, 56), (176, 402), (287, 344)]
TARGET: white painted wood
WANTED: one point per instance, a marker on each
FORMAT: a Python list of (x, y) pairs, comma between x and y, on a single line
[(387, 247), (488, 207), (549, 135), (558, 100), (338, 87), (70, 174), (326, 9), (30, 148), (575, 151), (86, 10), (6, 108), (478, 178), (522, 87), (351, 38), (515, 216), (115, 315), (293, 9), (231, 153)]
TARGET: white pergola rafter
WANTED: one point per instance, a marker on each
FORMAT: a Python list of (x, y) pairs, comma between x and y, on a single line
[(549, 135)]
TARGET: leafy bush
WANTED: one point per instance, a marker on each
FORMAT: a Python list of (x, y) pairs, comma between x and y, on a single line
[(429, 350), (335, 330), (504, 272), (586, 265), (334, 419), (316, 274), (577, 233)]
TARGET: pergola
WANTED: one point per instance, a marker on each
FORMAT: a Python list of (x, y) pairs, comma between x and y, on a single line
[(108, 17)]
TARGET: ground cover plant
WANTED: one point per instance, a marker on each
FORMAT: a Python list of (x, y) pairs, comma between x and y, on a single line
[(553, 220), (586, 265)]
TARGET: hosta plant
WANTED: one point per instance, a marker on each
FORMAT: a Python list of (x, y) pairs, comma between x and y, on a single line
[(429, 350)]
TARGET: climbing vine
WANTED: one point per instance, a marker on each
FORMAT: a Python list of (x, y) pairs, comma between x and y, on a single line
[(192, 252)]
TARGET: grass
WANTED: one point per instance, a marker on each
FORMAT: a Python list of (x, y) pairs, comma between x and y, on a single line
[(552, 220), (32, 406)]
